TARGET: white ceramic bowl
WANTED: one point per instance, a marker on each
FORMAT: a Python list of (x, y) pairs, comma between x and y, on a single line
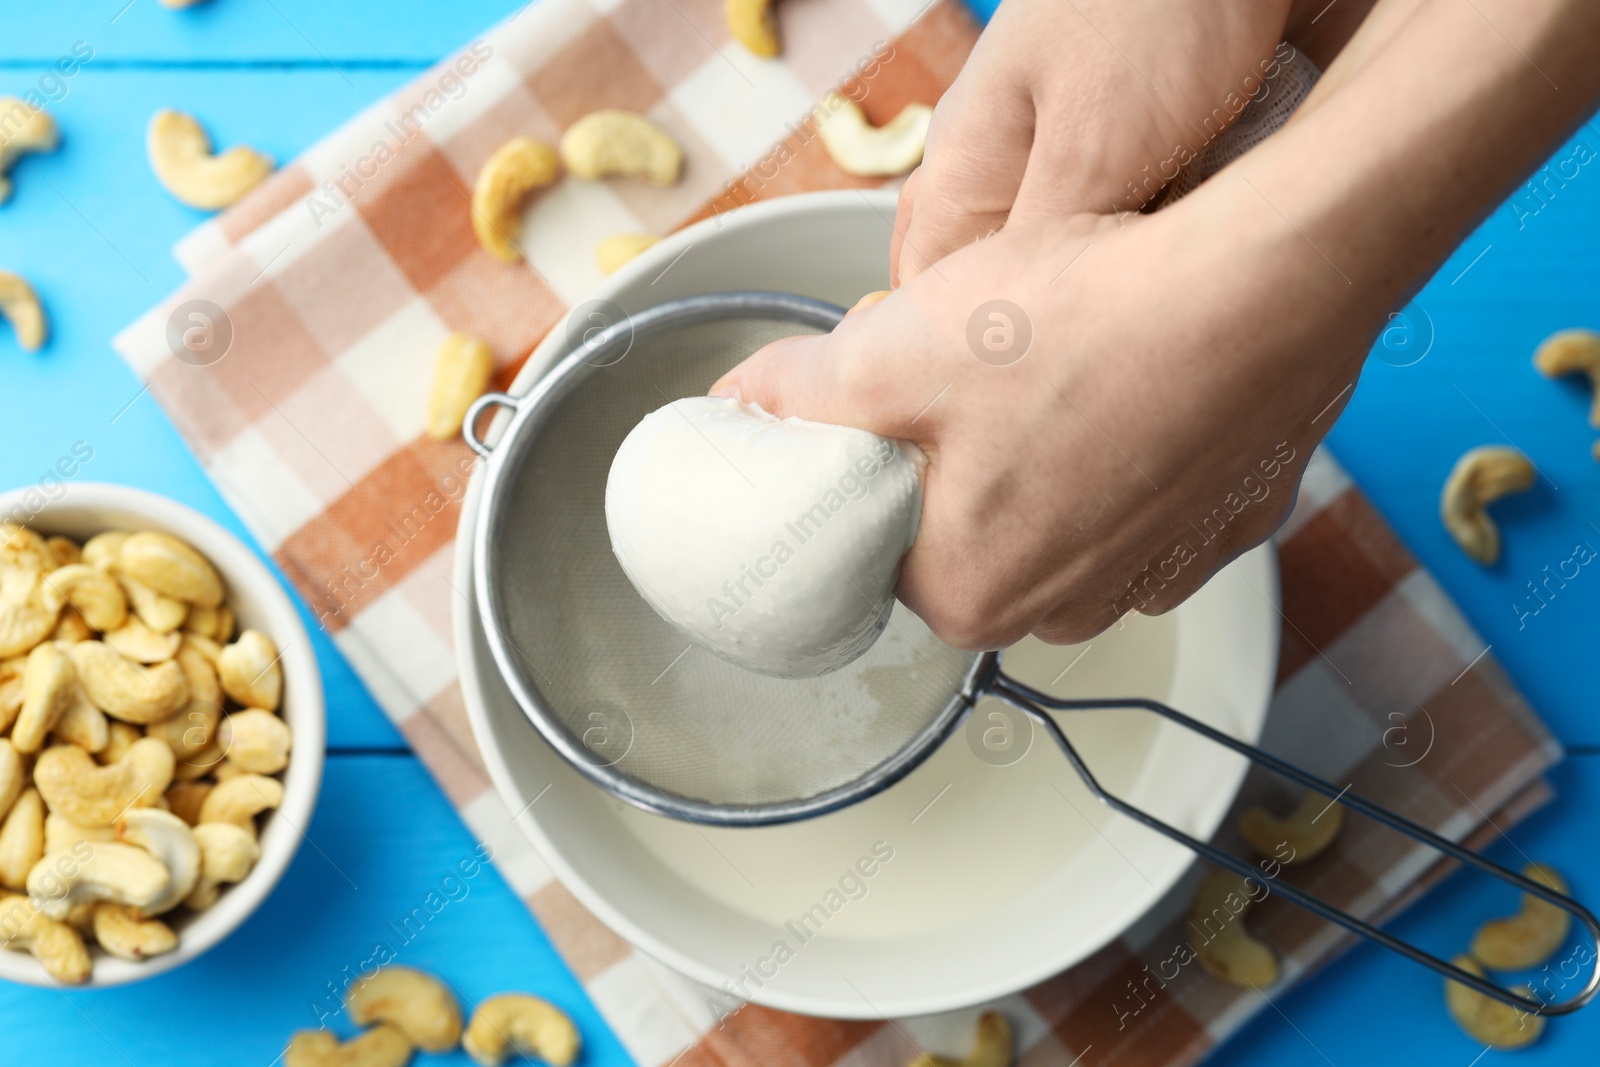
[(998, 877), (84, 509)]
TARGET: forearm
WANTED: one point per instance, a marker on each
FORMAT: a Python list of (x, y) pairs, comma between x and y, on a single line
[(1385, 178)]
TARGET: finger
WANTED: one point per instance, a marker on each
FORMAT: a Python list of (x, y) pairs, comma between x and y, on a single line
[(784, 378), (902, 221), (977, 154)]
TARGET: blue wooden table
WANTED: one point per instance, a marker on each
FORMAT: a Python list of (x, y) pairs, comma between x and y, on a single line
[(92, 230)]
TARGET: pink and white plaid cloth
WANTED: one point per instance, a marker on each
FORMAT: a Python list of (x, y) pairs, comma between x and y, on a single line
[(341, 275)]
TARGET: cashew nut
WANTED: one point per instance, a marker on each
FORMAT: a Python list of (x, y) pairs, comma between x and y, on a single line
[(207, 648), (124, 933), (190, 731), (227, 854), (20, 305), (29, 608), (126, 690), (239, 800), (171, 567), (158, 611), (170, 840), (1492, 1022), (184, 800), (139, 643), (1231, 953), (1481, 477), (249, 671), (616, 251), (753, 24), (64, 550), (1307, 830), (1570, 352), (516, 1023), (11, 672), (418, 1004), (994, 1046), (13, 776), (83, 724), (611, 142), (1527, 938), (91, 795), (58, 947), (22, 839), (382, 1046), (95, 594), (23, 128), (49, 687), (199, 764), (102, 549), (517, 167), (460, 375), (862, 149), (180, 154), (71, 627), (119, 738), (213, 623), (256, 741), (61, 834), (111, 871)]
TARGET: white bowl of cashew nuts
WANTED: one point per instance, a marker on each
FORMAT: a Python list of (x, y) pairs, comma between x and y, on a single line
[(203, 884)]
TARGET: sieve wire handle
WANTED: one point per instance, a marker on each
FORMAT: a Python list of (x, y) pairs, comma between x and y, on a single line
[(469, 424), (1033, 703)]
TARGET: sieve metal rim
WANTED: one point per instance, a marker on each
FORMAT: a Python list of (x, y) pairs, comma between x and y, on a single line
[(529, 413)]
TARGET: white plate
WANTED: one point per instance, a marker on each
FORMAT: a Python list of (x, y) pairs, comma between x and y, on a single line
[(983, 879)]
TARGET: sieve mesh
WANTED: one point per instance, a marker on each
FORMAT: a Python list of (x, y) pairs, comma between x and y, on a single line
[(646, 707)]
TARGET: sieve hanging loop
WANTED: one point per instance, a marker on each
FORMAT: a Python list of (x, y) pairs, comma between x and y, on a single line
[(469, 424), (1033, 703)]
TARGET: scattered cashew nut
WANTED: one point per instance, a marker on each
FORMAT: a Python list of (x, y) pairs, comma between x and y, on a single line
[(138, 642), (1492, 1022), (1232, 954), (612, 142), (418, 1004), (616, 251), (213, 623), (250, 672), (49, 688), (23, 128), (58, 947), (382, 1046), (754, 24), (95, 594), (70, 627), (123, 932), (460, 375), (994, 1046), (171, 567), (13, 776), (1308, 830), (227, 855), (1528, 938), (20, 305), (111, 871), (103, 548), (180, 154), (29, 608), (256, 741), (91, 795), (185, 798), (872, 151), (170, 840), (158, 611), (191, 730), (1571, 352), (83, 724), (22, 839), (517, 167), (516, 1023), (1481, 477)]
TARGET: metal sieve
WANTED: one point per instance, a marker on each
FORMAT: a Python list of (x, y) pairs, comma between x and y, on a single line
[(700, 739)]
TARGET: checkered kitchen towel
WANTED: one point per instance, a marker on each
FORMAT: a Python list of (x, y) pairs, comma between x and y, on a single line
[(341, 275)]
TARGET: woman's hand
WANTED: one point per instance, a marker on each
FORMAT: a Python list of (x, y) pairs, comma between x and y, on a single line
[(1068, 106), (1154, 427)]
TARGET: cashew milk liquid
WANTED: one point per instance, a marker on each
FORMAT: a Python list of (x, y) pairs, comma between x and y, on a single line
[(963, 833)]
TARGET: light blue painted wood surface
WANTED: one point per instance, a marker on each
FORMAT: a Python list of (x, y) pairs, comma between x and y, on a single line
[(92, 229)]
